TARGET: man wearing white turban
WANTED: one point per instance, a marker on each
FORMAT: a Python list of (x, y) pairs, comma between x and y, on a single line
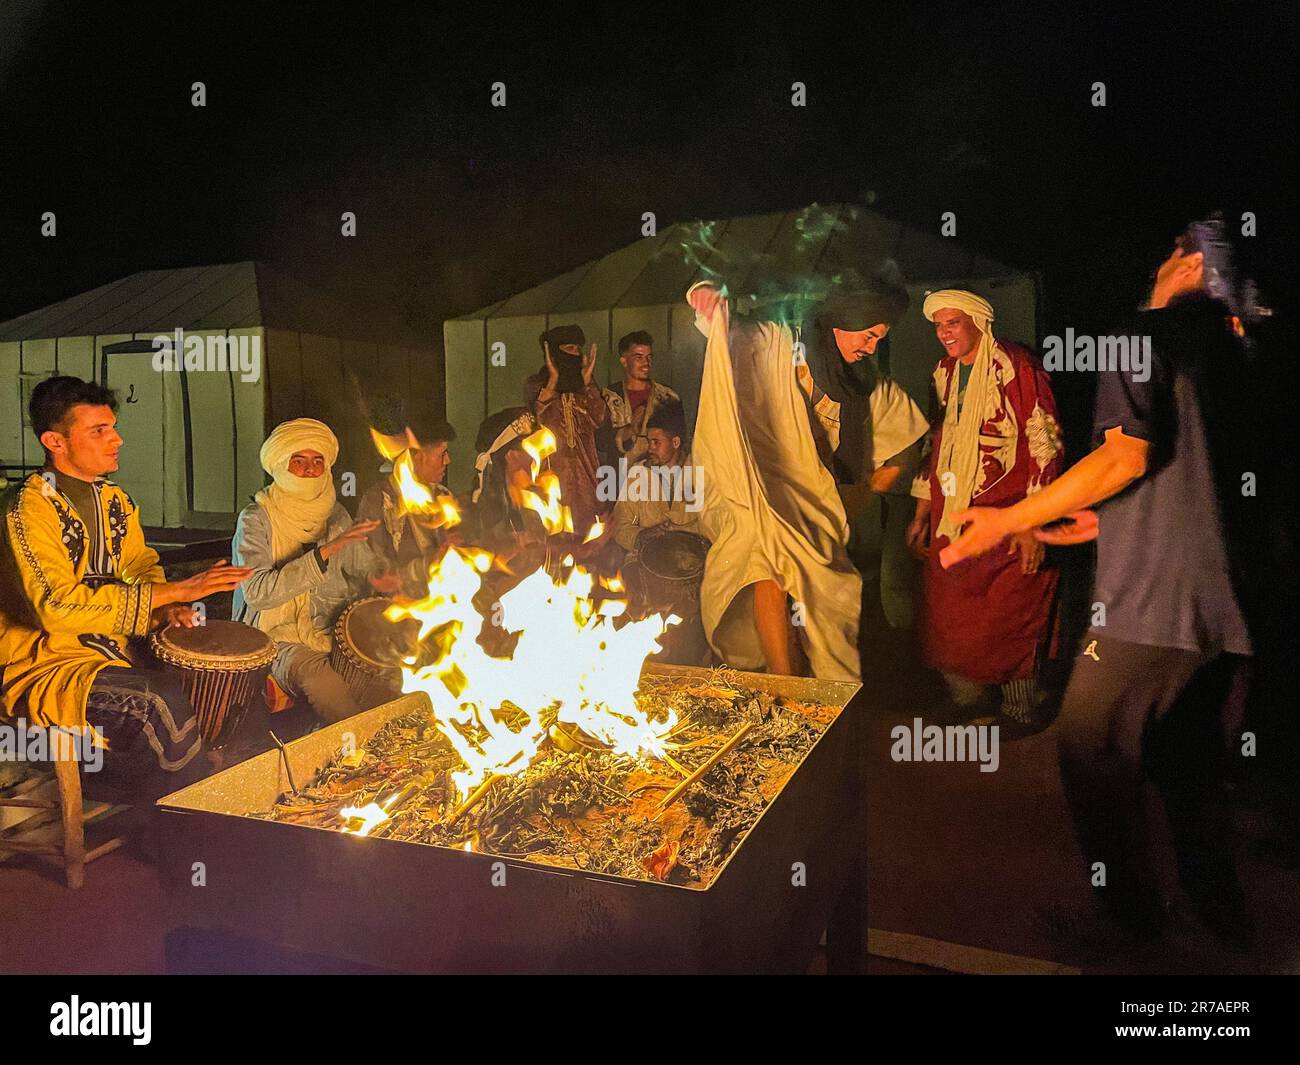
[(307, 564), (994, 440)]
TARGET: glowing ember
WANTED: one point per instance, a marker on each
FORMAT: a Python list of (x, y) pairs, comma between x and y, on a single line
[(371, 816)]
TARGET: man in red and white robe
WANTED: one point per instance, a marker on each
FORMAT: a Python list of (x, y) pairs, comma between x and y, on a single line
[(994, 440)]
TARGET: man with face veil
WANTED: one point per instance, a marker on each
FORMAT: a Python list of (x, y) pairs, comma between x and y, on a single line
[(864, 418), (869, 431), (308, 562)]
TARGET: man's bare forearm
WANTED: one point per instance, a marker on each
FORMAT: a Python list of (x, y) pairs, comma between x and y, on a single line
[(1097, 476)]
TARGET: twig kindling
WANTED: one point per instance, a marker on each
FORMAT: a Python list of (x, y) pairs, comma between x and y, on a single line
[(676, 793), (284, 757), (474, 799), (558, 810)]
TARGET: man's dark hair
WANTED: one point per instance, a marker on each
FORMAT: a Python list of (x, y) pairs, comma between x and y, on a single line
[(429, 432), (638, 337), (387, 413), (53, 399), (670, 418)]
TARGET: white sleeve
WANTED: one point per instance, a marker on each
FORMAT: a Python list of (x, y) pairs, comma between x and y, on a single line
[(896, 421)]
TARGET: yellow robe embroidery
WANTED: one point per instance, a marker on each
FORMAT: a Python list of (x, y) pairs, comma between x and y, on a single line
[(57, 633)]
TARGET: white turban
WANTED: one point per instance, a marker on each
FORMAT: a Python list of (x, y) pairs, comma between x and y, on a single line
[(299, 507), (959, 300), (959, 447), (301, 434)]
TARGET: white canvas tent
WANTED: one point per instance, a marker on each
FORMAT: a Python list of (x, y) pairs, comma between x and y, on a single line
[(641, 286), (192, 439)]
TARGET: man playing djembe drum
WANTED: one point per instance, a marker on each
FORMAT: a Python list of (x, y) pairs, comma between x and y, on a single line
[(77, 579), (659, 493), (306, 563), (663, 494)]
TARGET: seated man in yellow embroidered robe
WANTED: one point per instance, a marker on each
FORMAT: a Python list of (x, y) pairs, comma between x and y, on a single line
[(76, 579)]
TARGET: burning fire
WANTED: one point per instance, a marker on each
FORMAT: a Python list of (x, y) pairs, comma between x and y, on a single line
[(415, 496), (569, 659), (543, 495), (371, 816), (417, 499)]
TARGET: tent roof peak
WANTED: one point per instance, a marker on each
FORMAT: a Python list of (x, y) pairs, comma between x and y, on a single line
[(239, 295), (819, 244)]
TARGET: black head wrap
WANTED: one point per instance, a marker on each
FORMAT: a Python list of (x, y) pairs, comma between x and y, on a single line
[(569, 366), (851, 384)]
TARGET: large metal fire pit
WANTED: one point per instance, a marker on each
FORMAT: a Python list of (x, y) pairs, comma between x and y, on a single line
[(271, 895)]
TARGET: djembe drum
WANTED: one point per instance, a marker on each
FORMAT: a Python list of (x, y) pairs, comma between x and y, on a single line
[(368, 650), (672, 565), (222, 665)]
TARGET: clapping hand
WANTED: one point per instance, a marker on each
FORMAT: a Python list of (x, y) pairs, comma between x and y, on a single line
[(357, 531)]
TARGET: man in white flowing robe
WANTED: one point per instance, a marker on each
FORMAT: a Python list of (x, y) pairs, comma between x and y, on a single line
[(778, 569)]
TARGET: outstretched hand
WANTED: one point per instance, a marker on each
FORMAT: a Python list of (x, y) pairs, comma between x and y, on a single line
[(222, 577), (1077, 527), (355, 532), (1030, 550), (1178, 274), (918, 535), (589, 365), (386, 583), (184, 617), (985, 528), (882, 480)]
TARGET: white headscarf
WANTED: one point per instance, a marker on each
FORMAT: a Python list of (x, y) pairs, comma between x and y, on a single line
[(959, 451), (299, 507)]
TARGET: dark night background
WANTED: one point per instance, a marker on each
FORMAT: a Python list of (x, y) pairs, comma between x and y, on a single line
[(915, 110)]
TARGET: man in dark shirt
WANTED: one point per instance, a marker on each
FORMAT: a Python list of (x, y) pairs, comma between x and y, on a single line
[(1158, 664)]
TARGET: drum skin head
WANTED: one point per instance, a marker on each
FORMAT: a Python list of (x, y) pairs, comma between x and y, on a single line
[(216, 639), (379, 641), (675, 555)]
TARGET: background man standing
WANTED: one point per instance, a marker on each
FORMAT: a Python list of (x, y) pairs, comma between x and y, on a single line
[(633, 401), (563, 399)]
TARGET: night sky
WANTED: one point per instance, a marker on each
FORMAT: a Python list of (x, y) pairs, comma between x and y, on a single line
[(609, 115)]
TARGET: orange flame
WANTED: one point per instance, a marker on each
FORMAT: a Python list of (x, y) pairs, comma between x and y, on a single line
[(390, 446), (416, 497), (569, 660)]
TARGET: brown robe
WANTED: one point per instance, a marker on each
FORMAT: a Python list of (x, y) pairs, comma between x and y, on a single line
[(574, 418)]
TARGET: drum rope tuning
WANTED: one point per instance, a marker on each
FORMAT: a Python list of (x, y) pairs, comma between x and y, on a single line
[(222, 665)]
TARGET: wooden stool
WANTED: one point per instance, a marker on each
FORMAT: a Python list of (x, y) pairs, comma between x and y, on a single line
[(75, 816)]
